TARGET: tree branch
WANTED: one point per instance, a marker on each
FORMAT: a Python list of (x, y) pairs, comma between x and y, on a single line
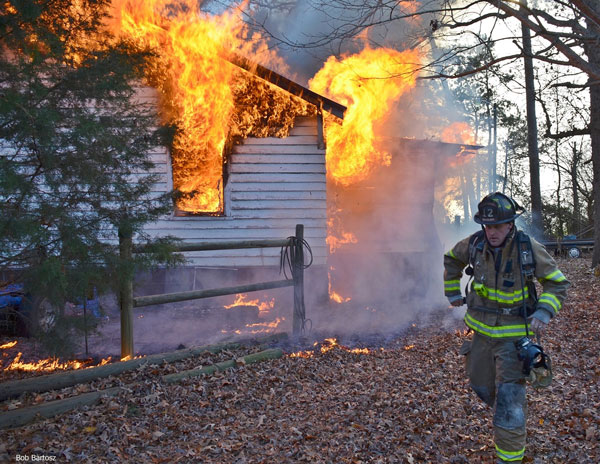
[(587, 12), (471, 71), (574, 58), (567, 134)]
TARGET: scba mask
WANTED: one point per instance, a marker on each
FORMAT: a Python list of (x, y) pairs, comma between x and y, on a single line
[(537, 365)]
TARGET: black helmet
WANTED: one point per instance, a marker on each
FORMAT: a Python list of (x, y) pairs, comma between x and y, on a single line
[(497, 208)]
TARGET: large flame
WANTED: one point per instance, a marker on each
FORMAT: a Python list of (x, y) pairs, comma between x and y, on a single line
[(198, 87), (194, 88), (368, 83)]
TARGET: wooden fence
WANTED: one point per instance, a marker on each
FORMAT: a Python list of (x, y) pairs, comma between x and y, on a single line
[(128, 301)]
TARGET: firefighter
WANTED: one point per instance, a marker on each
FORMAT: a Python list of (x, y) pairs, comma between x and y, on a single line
[(503, 309)]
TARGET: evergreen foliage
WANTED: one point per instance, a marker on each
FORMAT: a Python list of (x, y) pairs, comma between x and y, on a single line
[(74, 151)]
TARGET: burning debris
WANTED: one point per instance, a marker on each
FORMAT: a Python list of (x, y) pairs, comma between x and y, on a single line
[(11, 362), (327, 345), (251, 317)]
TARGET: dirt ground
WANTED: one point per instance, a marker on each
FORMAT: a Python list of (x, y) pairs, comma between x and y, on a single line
[(401, 399)]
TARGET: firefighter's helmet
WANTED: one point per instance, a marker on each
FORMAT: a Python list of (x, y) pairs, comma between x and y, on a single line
[(497, 208)]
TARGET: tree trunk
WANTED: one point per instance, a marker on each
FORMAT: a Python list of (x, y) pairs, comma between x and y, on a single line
[(576, 222), (595, 135), (593, 52), (532, 137), (559, 213), (126, 290)]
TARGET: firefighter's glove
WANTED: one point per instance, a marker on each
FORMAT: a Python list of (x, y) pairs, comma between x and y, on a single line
[(456, 300), (538, 326)]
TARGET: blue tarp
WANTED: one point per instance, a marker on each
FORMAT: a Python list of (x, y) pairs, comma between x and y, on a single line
[(11, 295)]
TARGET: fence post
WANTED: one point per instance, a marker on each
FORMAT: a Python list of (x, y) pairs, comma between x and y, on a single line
[(126, 289), (298, 275)]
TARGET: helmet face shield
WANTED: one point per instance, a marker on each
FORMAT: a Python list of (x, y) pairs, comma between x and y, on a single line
[(497, 208)]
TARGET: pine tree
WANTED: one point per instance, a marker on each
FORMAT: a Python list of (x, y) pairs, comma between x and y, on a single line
[(74, 150)]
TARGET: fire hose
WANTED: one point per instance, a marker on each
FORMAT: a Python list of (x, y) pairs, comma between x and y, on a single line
[(289, 262)]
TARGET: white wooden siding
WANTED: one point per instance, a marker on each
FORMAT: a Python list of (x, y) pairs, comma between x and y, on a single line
[(273, 184)]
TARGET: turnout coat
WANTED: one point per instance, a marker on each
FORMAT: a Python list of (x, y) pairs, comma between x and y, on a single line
[(498, 288)]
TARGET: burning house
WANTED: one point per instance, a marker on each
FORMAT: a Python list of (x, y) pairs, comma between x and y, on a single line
[(256, 153)]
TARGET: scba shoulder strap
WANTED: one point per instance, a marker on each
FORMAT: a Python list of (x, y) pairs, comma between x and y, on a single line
[(526, 254), (476, 242)]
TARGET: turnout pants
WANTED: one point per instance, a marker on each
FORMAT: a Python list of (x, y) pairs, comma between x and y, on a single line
[(495, 373)]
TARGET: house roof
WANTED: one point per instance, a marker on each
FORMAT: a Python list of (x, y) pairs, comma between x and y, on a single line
[(288, 85)]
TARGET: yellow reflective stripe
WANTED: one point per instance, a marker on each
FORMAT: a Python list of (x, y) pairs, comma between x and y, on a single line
[(556, 276), (451, 254), (499, 295), (551, 300), (451, 285), (510, 455), (500, 331), (511, 297)]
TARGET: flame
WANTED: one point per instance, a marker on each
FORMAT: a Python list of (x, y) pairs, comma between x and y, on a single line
[(360, 351), (198, 88), (264, 327), (257, 327), (263, 307), (302, 354), (337, 238), (50, 364), (328, 345), (409, 347), (333, 295), (458, 132), (8, 345), (368, 83)]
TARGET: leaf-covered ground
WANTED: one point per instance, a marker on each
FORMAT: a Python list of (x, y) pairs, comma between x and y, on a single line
[(404, 401)]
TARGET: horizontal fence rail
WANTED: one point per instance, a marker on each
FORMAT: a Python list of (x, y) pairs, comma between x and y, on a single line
[(197, 294), (229, 245), (128, 302)]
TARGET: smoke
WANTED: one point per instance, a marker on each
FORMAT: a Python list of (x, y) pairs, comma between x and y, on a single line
[(391, 275), (305, 33)]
